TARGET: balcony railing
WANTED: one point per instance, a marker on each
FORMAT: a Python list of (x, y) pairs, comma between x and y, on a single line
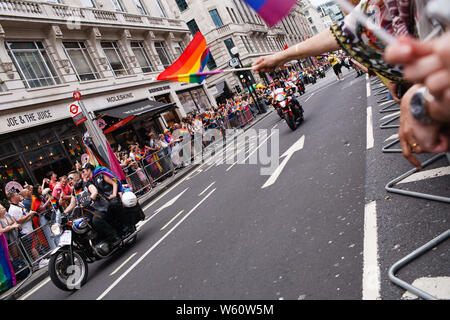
[(52, 11)]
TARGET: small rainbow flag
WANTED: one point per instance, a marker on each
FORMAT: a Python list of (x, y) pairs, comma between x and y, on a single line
[(77, 193), (10, 173), (72, 152), (21, 172), (54, 203), (138, 156), (189, 66), (272, 11)]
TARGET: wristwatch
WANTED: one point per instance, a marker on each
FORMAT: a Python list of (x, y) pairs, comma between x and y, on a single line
[(418, 105)]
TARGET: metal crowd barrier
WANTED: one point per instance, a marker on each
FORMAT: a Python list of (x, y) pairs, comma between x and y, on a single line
[(29, 251), (390, 106)]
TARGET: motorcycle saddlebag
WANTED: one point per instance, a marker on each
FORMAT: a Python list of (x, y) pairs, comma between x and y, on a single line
[(134, 214)]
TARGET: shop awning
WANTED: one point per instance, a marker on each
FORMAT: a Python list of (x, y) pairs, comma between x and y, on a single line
[(137, 108)]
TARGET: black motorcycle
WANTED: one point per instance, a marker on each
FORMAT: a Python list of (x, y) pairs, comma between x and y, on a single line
[(80, 244)]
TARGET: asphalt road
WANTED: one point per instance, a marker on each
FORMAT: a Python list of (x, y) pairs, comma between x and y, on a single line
[(218, 234)]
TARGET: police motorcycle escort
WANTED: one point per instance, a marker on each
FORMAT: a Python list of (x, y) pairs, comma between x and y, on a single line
[(91, 228), (290, 107)]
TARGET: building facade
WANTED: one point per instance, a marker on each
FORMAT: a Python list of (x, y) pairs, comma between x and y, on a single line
[(231, 23), (111, 51), (313, 16), (332, 10)]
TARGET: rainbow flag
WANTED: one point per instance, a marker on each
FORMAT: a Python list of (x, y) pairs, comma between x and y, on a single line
[(54, 203), (189, 66), (138, 157), (21, 172), (10, 173), (272, 11)]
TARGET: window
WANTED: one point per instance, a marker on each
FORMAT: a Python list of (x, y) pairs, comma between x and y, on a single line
[(163, 54), (229, 44), (245, 44), (140, 7), (179, 48), (314, 29), (234, 14), (182, 5), (142, 57), (249, 44), (310, 20), (193, 27), (88, 4), (33, 64), (117, 5), (115, 59), (160, 8), (81, 61), (231, 16), (239, 10), (216, 18)]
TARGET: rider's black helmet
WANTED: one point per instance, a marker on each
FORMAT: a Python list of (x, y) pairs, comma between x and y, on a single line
[(87, 166)]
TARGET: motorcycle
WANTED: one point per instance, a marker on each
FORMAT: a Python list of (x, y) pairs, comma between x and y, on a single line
[(292, 113), (79, 244), (301, 86)]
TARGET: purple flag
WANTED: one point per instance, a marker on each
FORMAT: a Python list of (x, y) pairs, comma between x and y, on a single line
[(115, 164), (272, 11)]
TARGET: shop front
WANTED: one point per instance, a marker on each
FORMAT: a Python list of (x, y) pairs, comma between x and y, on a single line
[(27, 156), (129, 123), (194, 100)]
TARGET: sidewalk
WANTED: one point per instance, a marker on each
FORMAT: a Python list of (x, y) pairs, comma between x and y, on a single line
[(41, 274)]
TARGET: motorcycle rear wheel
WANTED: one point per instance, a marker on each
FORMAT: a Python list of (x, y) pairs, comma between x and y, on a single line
[(65, 276)]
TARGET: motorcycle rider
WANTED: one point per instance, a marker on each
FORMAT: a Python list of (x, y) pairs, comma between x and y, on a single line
[(281, 84), (98, 204)]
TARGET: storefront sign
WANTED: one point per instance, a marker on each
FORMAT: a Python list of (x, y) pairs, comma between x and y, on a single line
[(153, 90), (79, 119), (120, 97), (27, 118)]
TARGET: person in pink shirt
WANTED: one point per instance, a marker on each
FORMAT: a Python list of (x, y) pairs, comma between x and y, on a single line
[(62, 192)]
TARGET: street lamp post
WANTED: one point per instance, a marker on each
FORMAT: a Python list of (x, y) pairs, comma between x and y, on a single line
[(260, 107)]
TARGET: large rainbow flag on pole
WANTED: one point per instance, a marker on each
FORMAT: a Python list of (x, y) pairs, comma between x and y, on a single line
[(272, 11), (189, 66)]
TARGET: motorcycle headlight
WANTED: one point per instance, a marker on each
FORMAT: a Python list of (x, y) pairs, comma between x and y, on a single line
[(56, 229)]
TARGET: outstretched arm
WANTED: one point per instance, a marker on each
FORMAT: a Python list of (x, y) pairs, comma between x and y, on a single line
[(319, 44)]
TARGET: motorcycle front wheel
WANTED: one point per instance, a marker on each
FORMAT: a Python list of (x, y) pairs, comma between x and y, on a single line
[(65, 275), (290, 121)]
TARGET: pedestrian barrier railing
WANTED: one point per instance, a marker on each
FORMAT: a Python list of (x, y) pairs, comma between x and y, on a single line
[(391, 107), (28, 253)]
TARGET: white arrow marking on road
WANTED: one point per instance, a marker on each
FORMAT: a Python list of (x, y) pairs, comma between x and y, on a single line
[(288, 154), (170, 202)]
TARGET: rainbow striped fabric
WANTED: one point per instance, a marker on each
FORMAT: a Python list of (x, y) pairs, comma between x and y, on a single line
[(189, 66), (272, 11)]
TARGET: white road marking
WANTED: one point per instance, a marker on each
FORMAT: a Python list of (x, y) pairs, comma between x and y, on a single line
[(171, 220), (371, 268), (39, 286), (297, 146), (428, 174), (369, 93), (370, 140), (275, 126), (386, 102), (206, 189), (438, 287), (170, 202), (393, 137), (391, 115), (153, 247), (256, 149), (124, 263), (310, 96)]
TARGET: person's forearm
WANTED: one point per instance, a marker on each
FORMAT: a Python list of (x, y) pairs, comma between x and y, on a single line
[(320, 43)]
